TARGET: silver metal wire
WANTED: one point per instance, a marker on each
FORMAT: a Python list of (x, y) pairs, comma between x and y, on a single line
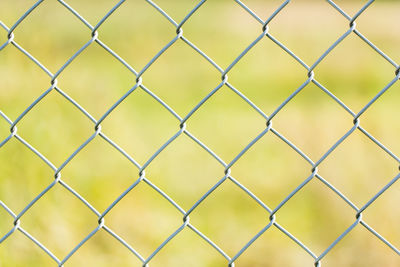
[(272, 212)]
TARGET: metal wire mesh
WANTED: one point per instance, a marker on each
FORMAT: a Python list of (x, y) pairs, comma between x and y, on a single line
[(182, 121)]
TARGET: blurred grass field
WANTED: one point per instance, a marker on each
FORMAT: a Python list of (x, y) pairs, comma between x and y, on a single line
[(226, 124)]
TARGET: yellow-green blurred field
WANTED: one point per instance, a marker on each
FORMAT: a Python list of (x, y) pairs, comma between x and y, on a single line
[(226, 124)]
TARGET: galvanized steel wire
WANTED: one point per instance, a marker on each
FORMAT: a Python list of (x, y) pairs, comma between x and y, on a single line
[(182, 121)]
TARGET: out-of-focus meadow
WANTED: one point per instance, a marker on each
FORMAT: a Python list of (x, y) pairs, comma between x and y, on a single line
[(225, 123)]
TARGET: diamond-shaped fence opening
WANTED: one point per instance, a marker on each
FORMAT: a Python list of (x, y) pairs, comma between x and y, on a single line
[(209, 133), (51, 29), (261, 176), (318, 30), (267, 75), (140, 38), (146, 231), (175, 164), (39, 124), (355, 89), (360, 181), (71, 221), (328, 219), (94, 166), (96, 75), (188, 79)]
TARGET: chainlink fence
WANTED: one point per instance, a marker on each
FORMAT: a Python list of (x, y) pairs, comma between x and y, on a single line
[(182, 121)]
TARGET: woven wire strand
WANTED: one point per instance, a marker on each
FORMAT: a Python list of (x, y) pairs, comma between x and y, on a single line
[(272, 212)]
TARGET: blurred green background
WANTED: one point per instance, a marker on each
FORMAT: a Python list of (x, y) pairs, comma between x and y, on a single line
[(225, 123)]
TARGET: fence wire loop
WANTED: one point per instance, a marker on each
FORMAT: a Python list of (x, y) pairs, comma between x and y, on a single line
[(271, 212)]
